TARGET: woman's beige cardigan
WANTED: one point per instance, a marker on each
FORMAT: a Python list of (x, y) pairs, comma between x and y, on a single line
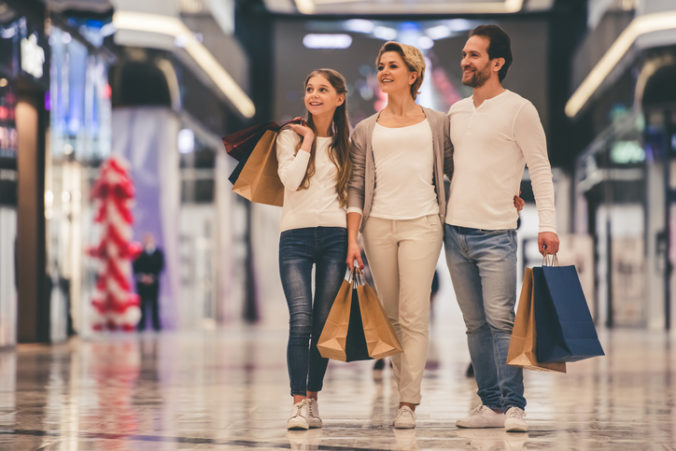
[(362, 182)]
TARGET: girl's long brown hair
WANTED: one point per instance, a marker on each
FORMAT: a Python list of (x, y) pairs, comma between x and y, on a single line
[(339, 151)]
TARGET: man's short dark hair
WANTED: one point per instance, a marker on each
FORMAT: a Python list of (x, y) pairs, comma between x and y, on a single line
[(499, 47)]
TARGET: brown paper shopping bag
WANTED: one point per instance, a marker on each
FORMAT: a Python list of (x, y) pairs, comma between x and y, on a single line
[(380, 338), (259, 181), (332, 340), (522, 344)]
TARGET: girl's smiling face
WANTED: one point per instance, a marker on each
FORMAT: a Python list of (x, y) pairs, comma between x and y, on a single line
[(321, 97)]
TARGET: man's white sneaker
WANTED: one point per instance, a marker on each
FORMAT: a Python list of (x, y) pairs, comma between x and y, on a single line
[(313, 419), (482, 417), (405, 418), (515, 420), (298, 418)]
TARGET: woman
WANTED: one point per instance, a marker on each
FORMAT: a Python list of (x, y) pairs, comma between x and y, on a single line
[(314, 166), (407, 149)]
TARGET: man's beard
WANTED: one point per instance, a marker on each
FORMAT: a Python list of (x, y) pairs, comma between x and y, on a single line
[(478, 78)]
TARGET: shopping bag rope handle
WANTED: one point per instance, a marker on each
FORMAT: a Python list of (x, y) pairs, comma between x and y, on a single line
[(296, 120), (355, 276), (550, 260), (359, 276)]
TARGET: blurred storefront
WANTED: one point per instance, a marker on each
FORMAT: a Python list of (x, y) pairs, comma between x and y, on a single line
[(175, 93), (79, 140), (23, 84), (83, 80), (8, 180), (622, 110)]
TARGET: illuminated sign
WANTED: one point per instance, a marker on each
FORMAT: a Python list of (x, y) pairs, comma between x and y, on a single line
[(627, 152), (32, 56)]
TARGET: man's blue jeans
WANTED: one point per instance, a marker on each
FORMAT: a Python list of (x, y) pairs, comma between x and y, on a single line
[(300, 250), (482, 264)]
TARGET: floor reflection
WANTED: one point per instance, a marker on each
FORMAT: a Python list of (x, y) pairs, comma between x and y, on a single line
[(229, 390), (8, 388)]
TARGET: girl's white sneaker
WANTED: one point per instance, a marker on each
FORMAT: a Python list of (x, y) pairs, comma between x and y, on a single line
[(299, 415)]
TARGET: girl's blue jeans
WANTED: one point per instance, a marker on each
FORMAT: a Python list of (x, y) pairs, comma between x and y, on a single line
[(299, 250)]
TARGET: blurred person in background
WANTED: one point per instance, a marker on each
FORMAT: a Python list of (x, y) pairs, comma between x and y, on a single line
[(495, 133), (147, 268), (314, 167), (406, 148)]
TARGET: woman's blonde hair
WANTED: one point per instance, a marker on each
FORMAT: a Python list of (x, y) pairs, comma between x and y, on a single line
[(413, 59)]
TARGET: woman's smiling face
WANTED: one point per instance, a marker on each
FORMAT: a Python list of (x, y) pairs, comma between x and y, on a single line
[(393, 74)]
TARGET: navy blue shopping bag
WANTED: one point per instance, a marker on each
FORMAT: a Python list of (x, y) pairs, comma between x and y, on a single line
[(238, 169), (565, 331), (355, 342)]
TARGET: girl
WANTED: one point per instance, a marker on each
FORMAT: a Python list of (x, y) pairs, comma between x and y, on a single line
[(314, 166), (407, 149)]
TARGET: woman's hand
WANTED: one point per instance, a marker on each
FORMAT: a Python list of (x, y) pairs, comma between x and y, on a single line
[(353, 253), (519, 203)]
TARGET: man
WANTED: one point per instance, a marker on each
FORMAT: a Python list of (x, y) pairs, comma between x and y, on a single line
[(495, 132), (147, 268)]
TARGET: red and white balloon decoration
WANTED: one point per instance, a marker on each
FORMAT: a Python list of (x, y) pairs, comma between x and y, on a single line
[(116, 305)]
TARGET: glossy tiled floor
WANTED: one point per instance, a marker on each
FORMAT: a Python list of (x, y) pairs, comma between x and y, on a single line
[(228, 390)]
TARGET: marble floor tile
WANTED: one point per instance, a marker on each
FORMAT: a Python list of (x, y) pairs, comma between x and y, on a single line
[(228, 389)]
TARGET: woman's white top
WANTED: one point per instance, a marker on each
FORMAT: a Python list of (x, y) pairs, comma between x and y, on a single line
[(318, 205), (404, 163)]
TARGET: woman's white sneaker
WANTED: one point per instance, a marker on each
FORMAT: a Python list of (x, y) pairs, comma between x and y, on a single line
[(515, 420), (482, 417), (405, 418), (299, 415), (313, 413)]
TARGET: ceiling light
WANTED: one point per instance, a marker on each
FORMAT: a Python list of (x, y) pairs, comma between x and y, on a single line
[(513, 6), (305, 6), (405, 7), (359, 25), (385, 33), (438, 32), (639, 26), (425, 42), (186, 141), (327, 41)]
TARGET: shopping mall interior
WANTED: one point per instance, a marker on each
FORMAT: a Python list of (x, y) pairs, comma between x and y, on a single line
[(112, 118)]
